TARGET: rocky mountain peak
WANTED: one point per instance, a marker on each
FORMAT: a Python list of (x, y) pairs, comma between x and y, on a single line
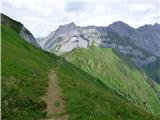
[(121, 28), (156, 25), (146, 37), (71, 24), (119, 24), (147, 27), (68, 27), (65, 28)]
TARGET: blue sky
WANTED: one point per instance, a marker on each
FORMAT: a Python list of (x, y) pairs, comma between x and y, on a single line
[(43, 16)]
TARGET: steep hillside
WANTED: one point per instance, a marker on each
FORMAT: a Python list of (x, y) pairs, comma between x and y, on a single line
[(153, 70), (25, 71), (114, 72), (20, 28), (24, 77)]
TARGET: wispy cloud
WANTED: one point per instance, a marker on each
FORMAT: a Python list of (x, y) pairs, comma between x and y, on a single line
[(141, 7)]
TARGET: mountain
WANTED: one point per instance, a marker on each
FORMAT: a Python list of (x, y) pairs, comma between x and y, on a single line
[(27, 94), (146, 37), (133, 43), (20, 28)]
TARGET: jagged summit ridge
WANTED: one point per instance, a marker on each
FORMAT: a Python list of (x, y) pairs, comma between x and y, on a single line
[(65, 28), (146, 37), (70, 36)]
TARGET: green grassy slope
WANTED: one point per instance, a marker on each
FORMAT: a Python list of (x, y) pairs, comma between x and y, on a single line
[(123, 77), (11, 23), (24, 77), (153, 70), (25, 70)]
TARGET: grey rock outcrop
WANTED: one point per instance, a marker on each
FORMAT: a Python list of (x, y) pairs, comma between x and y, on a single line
[(69, 36), (146, 37), (24, 33), (20, 29)]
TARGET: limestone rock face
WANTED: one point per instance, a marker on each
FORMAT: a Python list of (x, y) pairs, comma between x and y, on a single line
[(69, 36), (146, 37), (28, 36), (19, 27), (141, 44)]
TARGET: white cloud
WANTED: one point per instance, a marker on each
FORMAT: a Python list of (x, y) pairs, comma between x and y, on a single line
[(42, 17), (141, 7)]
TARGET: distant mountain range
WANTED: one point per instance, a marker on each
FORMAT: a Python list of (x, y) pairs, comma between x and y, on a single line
[(146, 37), (141, 45)]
